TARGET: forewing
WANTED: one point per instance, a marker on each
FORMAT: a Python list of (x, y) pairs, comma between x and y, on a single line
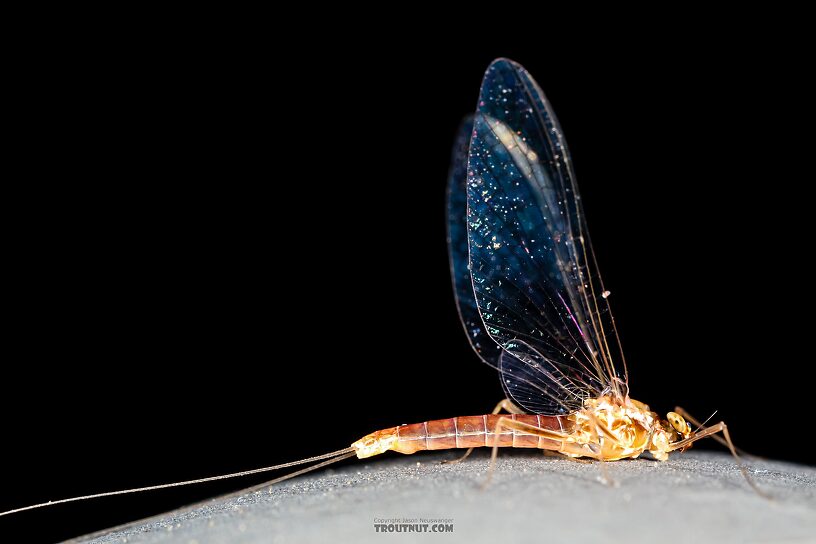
[(535, 283)]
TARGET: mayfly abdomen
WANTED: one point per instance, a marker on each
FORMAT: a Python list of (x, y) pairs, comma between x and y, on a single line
[(463, 432)]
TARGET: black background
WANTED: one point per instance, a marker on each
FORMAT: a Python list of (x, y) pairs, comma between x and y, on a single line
[(230, 253)]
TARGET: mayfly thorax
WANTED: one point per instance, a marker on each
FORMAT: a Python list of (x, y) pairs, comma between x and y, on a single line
[(531, 301)]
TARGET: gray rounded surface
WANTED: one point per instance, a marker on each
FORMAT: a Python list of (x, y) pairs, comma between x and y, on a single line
[(694, 497)]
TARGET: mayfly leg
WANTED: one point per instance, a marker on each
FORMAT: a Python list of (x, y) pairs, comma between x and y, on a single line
[(601, 429), (559, 455), (710, 431), (505, 405), (688, 417), (518, 426)]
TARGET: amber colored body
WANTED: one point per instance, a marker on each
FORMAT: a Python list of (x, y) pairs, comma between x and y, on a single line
[(475, 432), (606, 428)]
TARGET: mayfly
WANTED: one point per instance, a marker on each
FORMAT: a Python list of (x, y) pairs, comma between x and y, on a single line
[(531, 301)]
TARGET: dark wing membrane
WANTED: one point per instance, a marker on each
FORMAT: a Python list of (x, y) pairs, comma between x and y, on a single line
[(535, 281), (481, 342)]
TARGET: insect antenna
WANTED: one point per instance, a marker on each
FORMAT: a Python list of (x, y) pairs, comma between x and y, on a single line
[(703, 424), (332, 457)]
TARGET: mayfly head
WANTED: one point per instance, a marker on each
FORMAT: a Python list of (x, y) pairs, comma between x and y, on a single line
[(679, 424), (666, 432)]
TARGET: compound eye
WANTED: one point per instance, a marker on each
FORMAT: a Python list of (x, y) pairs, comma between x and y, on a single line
[(678, 423)]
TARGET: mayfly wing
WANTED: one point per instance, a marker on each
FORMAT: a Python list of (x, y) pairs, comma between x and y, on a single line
[(472, 322), (543, 385), (523, 374), (535, 281)]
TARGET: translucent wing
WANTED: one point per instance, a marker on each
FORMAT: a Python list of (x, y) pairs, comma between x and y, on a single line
[(541, 384), (535, 281), (481, 342)]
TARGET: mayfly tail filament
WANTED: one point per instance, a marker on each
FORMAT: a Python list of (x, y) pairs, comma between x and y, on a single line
[(328, 458)]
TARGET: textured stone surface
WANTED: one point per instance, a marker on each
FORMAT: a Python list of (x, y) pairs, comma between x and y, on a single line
[(695, 497)]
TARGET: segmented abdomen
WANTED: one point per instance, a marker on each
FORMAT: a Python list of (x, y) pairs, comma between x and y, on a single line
[(475, 432)]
